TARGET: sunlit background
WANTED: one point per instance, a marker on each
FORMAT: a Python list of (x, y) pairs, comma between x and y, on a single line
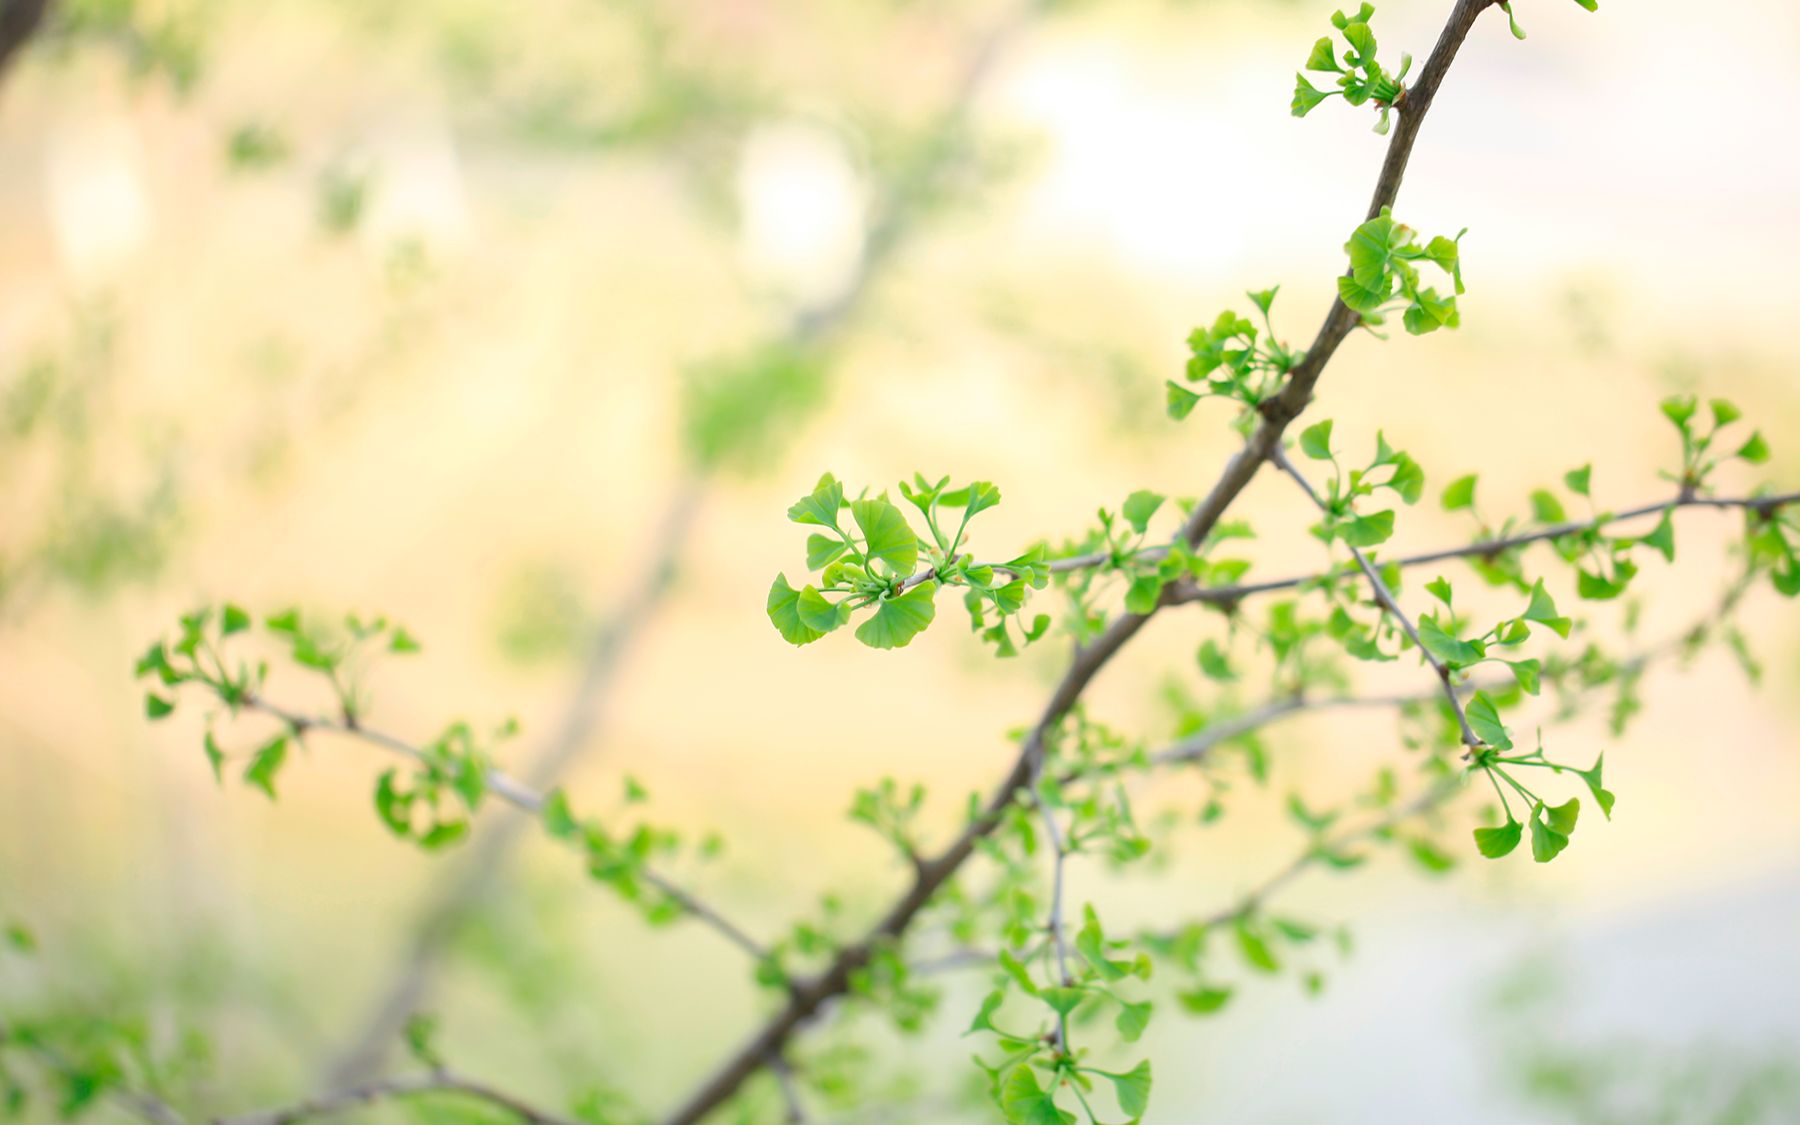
[(404, 308)]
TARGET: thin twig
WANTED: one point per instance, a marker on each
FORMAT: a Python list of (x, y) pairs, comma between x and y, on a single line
[(516, 793), (1388, 604), (790, 1090), (387, 1089), (810, 997)]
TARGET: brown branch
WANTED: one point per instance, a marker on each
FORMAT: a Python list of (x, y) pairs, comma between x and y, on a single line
[(19, 21), (810, 996), (1391, 606), (388, 1089)]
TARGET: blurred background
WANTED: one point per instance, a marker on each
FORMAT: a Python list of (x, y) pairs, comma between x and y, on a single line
[(523, 323)]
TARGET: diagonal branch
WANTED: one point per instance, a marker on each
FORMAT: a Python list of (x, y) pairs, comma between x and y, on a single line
[(516, 793), (809, 997), (392, 1089), (1386, 597)]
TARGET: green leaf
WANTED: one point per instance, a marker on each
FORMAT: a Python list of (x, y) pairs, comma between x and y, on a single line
[(1204, 1001), (1562, 817), (1323, 58), (1496, 842), (233, 619), (215, 757), (1133, 1019), (1755, 451), (886, 534), (1024, 1102), (984, 1019), (443, 834), (1543, 610), (1546, 842), (1306, 96), (1546, 508), (898, 620), (1132, 1088), (1512, 22), (1140, 506), (1255, 950), (1484, 717), (156, 707), (1602, 796), (784, 612), (1181, 401), (1365, 298), (265, 764), (403, 642), (822, 550), (1724, 412), (1679, 409), (1528, 673), (820, 614), (1429, 856), (1367, 531), (1663, 537), (821, 505), (1315, 440), (1446, 647), (1577, 479), (1460, 493), (559, 821), (393, 806), (1214, 663), (1440, 589), (1063, 1000), (1143, 594)]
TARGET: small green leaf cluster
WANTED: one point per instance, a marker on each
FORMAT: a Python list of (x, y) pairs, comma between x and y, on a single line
[(196, 656), (1037, 1066), (1391, 469), (1442, 636), (872, 564), (1228, 361), (1360, 79), (1698, 458), (737, 410), (618, 854), (1383, 254), (445, 789), (1551, 825)]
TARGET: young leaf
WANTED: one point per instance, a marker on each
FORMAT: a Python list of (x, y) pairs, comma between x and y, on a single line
[(887, 536), (1315, 440), (898, 620), (1496, 842), (1460, 493), (1140, 506), (784, 612), (1484, 717)]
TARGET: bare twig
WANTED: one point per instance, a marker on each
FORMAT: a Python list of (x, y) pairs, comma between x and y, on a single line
[(516, 793), (790, 1090), (810, 997), (1392, 607), (388, 1089)]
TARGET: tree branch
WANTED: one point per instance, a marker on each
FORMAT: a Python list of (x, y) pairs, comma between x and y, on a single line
[(515, 793), (1388, 604), (388, 1089), (808, 997), (19, 20)]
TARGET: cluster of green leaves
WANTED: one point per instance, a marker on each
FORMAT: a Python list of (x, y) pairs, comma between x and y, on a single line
[(618, 853), (1551, 825), (1227, 361), (444, 790), (1360, 78), (1391, 469), (197, 656), (874, 564), (1698, 455), (1383, 277)]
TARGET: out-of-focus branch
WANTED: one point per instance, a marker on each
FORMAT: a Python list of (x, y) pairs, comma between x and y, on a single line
[(391, 1089), (19, 21), (615, 639)]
